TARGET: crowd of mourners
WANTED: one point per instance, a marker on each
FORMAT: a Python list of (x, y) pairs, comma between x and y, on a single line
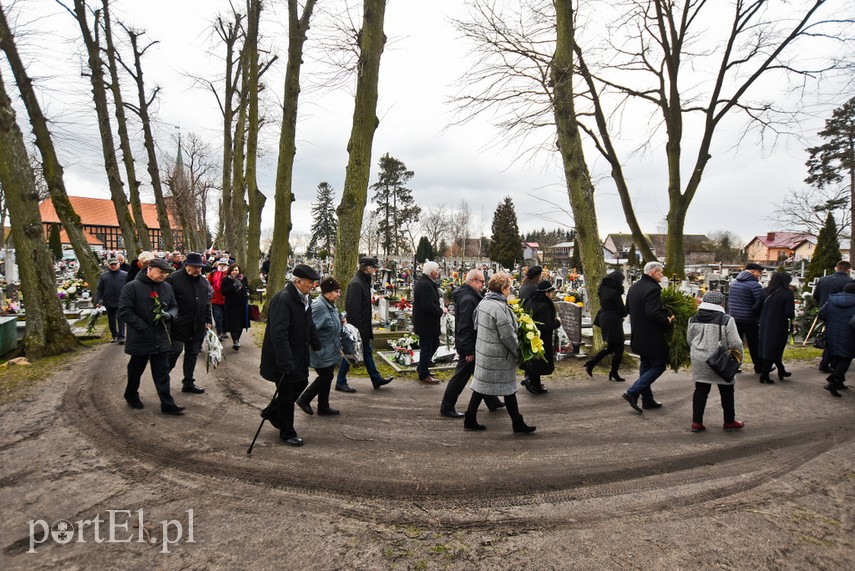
[(167, 305)]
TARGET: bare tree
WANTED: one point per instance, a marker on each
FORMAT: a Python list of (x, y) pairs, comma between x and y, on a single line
[(460, 221), (190, 184), (351, 209), (298, 27), (122, 124), (47, 331), (99, 95), (805, 210), (436, 224), (252, 259), (142, 111)]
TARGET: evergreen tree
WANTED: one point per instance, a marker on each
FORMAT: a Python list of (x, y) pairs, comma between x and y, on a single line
[(424, 251), (632, 257), (834, 161), (395, 203), (827, 251), (55, 242), (324, 219), (505, 246), (442, 249)]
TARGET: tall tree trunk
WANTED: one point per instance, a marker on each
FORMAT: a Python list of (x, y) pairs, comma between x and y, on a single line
[(577, 176), (256, 199), (99, 96), (229, 34), (124, 140), (47, 331), (352, 206), (51, 167), (279, 247), (236, 240), (167, 239)]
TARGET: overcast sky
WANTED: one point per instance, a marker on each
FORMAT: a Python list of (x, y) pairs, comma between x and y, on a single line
[(420, 68)]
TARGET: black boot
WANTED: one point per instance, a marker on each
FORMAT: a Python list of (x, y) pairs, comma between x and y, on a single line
[(521, 427), (470, 422), (589, 368)]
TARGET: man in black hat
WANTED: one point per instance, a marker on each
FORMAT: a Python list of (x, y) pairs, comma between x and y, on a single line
[(358, 307), (194, 317), (147, 306), (285, 349)]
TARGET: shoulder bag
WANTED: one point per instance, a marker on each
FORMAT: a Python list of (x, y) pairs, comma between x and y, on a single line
[(723, 361)]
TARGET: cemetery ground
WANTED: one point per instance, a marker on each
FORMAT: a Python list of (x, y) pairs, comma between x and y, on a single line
[(390, 484)]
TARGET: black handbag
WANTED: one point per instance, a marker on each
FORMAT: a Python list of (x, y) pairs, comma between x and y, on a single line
[(820, 341), (723, 361)]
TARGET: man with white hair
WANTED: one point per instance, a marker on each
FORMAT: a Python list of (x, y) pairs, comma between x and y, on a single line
[(427, 312), (649, 323)]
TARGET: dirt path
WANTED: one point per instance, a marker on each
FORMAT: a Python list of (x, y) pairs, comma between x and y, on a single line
[(390, 484)]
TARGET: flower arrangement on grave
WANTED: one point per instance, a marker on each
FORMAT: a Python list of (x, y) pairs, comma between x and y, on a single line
[(403, 348), (8, 306), (528, 336), (682, 306), (403, 305), (159, 315)]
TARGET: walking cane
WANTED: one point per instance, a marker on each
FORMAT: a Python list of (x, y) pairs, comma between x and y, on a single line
[(810, 330), (257, 432)]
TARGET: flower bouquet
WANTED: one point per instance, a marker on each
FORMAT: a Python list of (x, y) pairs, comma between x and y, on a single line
[(404, 349), (531, 345), (403, 305), (159, 315), (215, 350)]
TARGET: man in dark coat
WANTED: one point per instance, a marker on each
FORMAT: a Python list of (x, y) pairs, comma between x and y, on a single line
[(358, 307), (427, 313), (285, 350), (649, 322), (743, 304), (194, 318), (466, 299), (147, 306), (107, 294), (825, 287), (838, 313)]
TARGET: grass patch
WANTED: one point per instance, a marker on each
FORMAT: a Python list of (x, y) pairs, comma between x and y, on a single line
[(15, 380)]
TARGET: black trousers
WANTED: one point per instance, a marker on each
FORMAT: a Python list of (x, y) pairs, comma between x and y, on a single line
[(510, 404), (159, 373), (614, 349), (456, 384), (320, 387), (191, 351), (284, 406), (841, 365), (699, 402), (750, 331), (117, 326)]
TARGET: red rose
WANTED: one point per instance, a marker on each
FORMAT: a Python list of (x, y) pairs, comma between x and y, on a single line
[(153, 295)]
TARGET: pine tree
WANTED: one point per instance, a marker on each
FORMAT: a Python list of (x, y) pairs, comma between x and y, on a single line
[(827, 251), (834, 161), (395, 203), (505, 246), (632, 257), (424, 250), (576, 260), (55, 242), (324, 219)]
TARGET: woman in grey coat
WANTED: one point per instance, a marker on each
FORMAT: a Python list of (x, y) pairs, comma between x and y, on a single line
[(496, 352), (328, 324), (705, 329)]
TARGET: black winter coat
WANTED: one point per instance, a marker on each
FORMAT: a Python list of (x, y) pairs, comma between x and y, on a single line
[(236, 308), (194, 305), (829, 285), (836, 314), (427, 310), (136, 309), (289, 335), (109, 288), (543, 312), (528, 288), (357, 304), (612, 310), (648, 318), (778, 309), (466, 299)]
